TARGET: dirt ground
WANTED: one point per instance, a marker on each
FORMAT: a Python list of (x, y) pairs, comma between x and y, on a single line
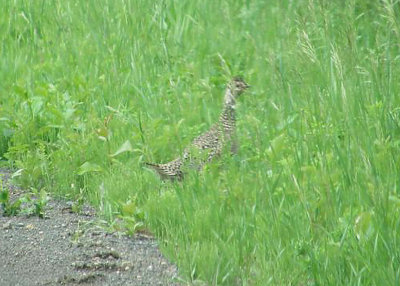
[(66, 248)]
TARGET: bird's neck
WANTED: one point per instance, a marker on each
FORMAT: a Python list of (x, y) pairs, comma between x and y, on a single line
[(229, 98), (227, 117)]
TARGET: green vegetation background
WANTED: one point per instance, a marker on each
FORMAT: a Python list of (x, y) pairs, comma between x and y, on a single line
[(89, 90)]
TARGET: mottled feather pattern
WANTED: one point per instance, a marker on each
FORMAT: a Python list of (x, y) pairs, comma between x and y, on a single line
[(171, 170), (210, 144)]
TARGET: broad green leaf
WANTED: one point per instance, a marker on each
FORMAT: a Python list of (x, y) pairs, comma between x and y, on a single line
[(4, 197), (125, 147), (88, 167), (129, 208), (18, 173), (44, 198), (102, 132)]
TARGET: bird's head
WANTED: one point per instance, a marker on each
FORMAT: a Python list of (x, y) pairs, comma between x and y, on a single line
[(235, 88)]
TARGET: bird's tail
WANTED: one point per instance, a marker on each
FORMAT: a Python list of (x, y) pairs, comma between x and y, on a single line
[(154, 166), (157, 168), (164, 172)]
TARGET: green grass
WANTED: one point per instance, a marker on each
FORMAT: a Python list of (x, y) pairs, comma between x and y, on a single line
[(313, 196)]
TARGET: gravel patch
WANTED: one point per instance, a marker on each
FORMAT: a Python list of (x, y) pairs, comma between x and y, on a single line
[(67, 248)]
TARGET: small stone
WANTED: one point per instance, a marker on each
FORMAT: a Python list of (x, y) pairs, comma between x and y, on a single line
[(7, 225), (30, 226), (96, 232), (20, 224)]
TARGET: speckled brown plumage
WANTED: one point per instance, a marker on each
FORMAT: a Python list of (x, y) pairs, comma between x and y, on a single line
[(171, 170), (210, 144)]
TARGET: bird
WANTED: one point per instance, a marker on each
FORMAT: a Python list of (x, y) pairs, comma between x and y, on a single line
[(211, 143)]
